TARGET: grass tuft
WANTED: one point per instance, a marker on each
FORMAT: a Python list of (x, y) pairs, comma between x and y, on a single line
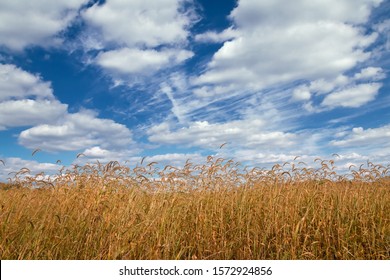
[(212, 211)]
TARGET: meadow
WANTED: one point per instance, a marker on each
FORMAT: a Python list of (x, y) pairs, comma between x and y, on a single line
[(217, 210)]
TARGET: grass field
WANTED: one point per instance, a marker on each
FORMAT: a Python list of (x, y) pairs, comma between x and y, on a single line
[(212, 211)]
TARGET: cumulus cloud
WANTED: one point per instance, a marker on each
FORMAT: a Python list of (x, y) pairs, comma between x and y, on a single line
[(354, 96), (17, 83), (107, 154), (267, 55), (370, 73), (253, 13), (322, 86), (26, 112), (136, 61), (301, 93), (138, 37), (342, 91), (76, 132), (144, 23), (25, 99), (249, 133), (97, 152), (371, 137), (24, 23)]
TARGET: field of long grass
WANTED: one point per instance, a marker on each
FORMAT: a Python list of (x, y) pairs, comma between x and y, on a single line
[(217, 210)]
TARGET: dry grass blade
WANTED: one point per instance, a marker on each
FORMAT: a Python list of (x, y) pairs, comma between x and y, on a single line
[(35, 151), (222, 145)]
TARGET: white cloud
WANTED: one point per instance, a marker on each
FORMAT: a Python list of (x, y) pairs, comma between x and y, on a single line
[(301, 93), (24, 23), (128, 157), (223, 103), (343, 161), (370, 73), (354, 96), (76, 132), (97, 152), (322, 86), (17, 83), (144, 23), (213, 91), (384, 29), (371, 137), (215, 37), (136, 61), (28, 112), (25, 99), (175, 159), (139, 37), (267, 55), (263, 157), (249, 133), (341, 91), (104, 155), (14, 164), (253, 13)]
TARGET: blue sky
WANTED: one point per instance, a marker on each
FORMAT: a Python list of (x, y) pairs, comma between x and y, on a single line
[(174, 79)]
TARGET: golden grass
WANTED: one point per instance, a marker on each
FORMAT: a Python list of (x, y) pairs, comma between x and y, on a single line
[(211, 211)]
